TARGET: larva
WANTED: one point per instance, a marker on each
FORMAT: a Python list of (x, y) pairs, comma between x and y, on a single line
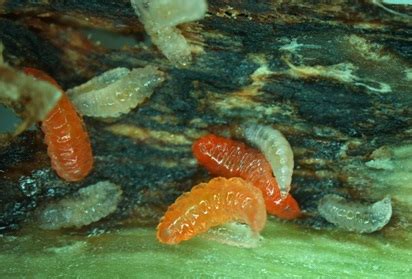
[(277, 151), (229, 158), (210, 204), (116, 91), (88, 205), (355, 217), (160, 18), (68, 144)]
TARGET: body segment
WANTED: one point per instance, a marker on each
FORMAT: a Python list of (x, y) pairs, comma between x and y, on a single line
[(229, 158)]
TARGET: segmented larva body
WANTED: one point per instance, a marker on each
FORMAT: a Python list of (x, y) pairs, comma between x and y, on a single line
[(116, 91), (210, 204), (88, 205), (160, 18), (229, 158), (277, 151), (68, 144), (355, 217)]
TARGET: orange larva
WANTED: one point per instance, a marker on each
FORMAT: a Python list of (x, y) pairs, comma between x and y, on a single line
[(229, 158), (211, 204), (68, 144)]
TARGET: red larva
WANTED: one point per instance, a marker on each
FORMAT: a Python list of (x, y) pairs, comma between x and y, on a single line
[(68, 144), (229, 158)]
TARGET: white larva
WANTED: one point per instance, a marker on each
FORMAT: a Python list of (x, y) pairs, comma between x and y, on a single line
[(116, 91), (355, 217), (277, 151), (160, 18), (88, 205)]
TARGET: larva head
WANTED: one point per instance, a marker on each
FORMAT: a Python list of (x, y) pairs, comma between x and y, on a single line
[(167, 234), (204, 145), (204, 149), (210, 151), (176, 226)]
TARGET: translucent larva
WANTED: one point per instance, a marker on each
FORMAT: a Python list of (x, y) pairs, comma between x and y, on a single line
[(229, 158), (88, 205), (68, 144), (277, 151), (355, 217), (160, 17), (211, 204), (116, 91)]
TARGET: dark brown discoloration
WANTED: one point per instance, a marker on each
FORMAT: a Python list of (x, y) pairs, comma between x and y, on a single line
[(330, 122)]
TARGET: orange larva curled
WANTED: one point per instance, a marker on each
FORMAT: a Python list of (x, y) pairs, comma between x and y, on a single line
[(67, 141), (211, 204), (230, 158)]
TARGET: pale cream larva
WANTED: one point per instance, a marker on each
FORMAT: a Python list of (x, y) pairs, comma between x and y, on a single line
[(160, 18), (116, 91), (88, 205), (355, 217), (277, 151)]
